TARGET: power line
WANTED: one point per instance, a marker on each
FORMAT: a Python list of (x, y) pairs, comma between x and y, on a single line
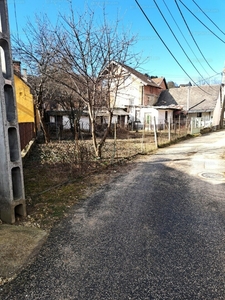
[(193, 36), (167, 46), (184, 36), (208, 17), (179, 42), (202, 22), (15, 12)]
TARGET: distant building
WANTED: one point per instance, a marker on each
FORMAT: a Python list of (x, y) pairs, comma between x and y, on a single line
[(205, 102), (137, 95), (25, 106)]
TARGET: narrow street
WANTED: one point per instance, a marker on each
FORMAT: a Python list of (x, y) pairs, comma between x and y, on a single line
[(157, 232)]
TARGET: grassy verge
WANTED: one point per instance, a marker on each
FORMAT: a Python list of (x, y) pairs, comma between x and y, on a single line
[(59, 175)]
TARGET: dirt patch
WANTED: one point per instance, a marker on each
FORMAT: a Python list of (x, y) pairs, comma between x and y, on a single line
[(18, 245), (54, 182), (59, 174)]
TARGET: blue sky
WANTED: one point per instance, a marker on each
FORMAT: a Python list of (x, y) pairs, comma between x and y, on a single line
[(158, 60)]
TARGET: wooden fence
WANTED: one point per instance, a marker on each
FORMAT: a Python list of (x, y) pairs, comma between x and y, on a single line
[(27, 133)]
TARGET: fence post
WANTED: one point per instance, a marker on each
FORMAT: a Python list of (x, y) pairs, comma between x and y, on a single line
[(175, 127), (142, 142), (179, 124), (186, 124), (114, 149), (169, 129), (155, 134)]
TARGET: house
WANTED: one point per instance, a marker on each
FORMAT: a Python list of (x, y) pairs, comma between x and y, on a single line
[(120, 116), (160, 81), (204, 102), (60, 120), (137, 94), (25, 106), (133, 96)]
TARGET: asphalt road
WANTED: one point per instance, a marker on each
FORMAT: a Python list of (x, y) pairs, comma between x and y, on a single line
[(157, 232)]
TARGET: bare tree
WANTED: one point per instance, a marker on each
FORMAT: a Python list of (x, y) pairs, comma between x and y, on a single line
[(60, 97), (35, 49), (85, 51), (78, 54)]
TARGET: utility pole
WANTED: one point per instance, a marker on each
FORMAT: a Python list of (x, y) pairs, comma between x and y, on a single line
[(12, 195)]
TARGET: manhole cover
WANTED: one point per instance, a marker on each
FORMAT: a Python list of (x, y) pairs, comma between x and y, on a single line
[(212, 175)]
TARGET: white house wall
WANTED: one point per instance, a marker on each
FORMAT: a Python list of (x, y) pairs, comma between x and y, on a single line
[(150, 112), (129, 94), (205, 121), (205, 116), (223, 99), (143, 115), (162, 116), (217, 112), (66, 122), (84, 123)]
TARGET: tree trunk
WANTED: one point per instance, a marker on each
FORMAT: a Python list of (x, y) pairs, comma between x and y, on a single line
[(44, 127), (41, 113), (101, 143), (93, 133)]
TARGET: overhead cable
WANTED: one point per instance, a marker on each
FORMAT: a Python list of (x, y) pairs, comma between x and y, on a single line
[(15, 12), (167, 46), (184, 36), (208, 17), (179, 42), (202, 22), (193, 36)]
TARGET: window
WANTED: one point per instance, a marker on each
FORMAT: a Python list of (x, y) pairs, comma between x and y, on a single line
[(148, 119), (52, 119), (166, 115)]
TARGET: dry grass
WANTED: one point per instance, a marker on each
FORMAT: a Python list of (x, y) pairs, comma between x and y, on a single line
[(60, 174)]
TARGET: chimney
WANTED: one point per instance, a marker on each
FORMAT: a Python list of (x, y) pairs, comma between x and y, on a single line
[(24, 75), (17, 67)]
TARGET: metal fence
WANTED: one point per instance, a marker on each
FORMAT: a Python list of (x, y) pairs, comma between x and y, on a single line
[(70, 158), (123, 142)]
